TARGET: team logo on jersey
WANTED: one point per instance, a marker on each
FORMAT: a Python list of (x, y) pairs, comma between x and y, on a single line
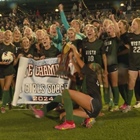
[(97, 83)]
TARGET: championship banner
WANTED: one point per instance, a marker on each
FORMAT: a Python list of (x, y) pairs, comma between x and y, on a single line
[(37, 82)]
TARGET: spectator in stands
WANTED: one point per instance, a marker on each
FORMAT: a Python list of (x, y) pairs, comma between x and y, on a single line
[(74, 8)]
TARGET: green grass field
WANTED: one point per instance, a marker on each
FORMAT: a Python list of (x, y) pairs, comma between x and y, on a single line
[(22, 125)]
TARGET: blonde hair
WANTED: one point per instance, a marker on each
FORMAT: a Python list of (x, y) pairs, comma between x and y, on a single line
[(24, 38), (125, 23), (94, 28), (27, 28), (112, 25), (107, 21), (8, 31), (71, 29), (77, 21), (17, 30), (138, 21), (40, 30), (11, 41)]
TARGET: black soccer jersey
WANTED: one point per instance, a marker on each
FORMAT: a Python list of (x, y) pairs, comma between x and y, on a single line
[(8, 69), (134, 53), (92, 51), (51, 52), (123, 58), (90, 83), (77, 43), (5, 48), (25, 54), (111, 48), (17, 46)]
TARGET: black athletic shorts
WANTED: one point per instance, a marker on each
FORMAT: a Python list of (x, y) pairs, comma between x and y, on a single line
[(9, 70), (112, 68), (134, 68), (96, 108)]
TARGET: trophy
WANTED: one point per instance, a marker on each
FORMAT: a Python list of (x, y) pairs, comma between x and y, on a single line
[(63, 65)]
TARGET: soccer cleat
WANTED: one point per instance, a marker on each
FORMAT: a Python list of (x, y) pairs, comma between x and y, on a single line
[(65, 126), (38, 113), (89, 122), (137, 105), (115, 108), (3, 110), (111, 105), (122, 107), (127, 109), (105, 107)]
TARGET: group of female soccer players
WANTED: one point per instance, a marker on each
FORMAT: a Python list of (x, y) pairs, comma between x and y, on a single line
[(106, 56)]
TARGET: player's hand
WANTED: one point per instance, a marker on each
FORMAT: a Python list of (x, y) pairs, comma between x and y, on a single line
[(57, 24), (5, 62), (73, 47), (20, 55), (42, 57), (112, 17), (29, 56), (60, 6)]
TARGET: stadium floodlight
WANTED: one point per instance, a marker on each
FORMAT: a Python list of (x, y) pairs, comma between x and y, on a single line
[(122, 4), (56, 10)]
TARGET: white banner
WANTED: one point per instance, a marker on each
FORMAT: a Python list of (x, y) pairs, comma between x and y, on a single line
[(37, 83)]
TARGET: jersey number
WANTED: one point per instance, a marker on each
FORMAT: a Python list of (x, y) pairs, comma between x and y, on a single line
[(136, 49), (90, 58)]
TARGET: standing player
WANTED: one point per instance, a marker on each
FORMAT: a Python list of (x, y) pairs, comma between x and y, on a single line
[(93, 53), (133, 44), (6, 70), (111, 45), (123, 62)]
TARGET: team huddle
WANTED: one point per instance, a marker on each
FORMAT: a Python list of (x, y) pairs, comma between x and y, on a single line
[(106, 57)]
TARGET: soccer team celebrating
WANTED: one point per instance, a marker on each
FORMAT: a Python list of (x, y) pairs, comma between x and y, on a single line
[(106, 57)]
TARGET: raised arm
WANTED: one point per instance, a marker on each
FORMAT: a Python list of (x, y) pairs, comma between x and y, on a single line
[(116, 25), (63, 17)]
